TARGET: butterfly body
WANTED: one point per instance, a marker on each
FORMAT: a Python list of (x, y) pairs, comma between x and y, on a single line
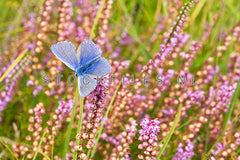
[(82, 69), (87, 63)]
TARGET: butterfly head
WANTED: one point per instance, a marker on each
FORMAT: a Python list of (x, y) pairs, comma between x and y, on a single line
[(75, 74)]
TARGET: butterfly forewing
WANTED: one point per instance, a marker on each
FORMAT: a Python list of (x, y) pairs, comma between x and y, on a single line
[(66, 52), (86, 85), (86, 52)]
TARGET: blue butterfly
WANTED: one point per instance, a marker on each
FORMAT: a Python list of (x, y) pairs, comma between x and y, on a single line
[(87, 63)]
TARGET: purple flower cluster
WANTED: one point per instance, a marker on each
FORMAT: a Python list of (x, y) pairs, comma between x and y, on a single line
[(224, 94), (5, 96), (174, 35), (10, 81), (30, 24), (37, 89), (186, 153), (220, 147), (150, 128), (166, 78), (64, 108), (196, 98), (148, 135)]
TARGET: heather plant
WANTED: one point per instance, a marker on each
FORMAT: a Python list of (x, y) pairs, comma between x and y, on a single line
[(172, 92)]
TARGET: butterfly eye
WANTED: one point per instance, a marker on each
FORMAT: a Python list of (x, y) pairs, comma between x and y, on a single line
[(75, 74)]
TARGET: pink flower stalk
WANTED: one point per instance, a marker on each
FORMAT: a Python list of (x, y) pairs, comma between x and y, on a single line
[(10, 81), (150, 128), (174, 33), (64, 108), (148, 135), (220, 147), (37, 89), (30, 24)]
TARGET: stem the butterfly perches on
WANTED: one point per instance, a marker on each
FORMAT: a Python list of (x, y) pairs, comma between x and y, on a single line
[(69, 129), (79, 124)]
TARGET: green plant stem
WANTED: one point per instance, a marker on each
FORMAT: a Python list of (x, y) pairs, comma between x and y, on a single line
[(69, 130), (79, 125), (77, 94)]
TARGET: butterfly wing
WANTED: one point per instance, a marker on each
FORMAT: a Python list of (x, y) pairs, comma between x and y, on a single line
[(66, 52), (87, 51), (86, 85), (99, 68)]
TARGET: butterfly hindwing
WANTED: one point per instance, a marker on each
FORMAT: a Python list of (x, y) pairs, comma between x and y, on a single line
[(99, 68), (87, 51), (86, 85), (66, 52)]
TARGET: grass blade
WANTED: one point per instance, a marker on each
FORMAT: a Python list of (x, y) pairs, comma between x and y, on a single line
[(171, 132), (69, 129), (18, 59), (44, 155), (35, 155), (9, 150)]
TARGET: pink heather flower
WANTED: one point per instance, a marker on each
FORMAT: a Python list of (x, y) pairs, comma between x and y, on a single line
[(183, 54), (37, 89), (184, 154), (99, 93), (173, 41), (31, 46), (149, 128), (29, 24), (212, 158), (220, 147), (30, 83), (196, 95), (178, 29), (168, 112), (162, 47), (125, 39), (64, 107), (116, 53), (183, 37), (68, 156)]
